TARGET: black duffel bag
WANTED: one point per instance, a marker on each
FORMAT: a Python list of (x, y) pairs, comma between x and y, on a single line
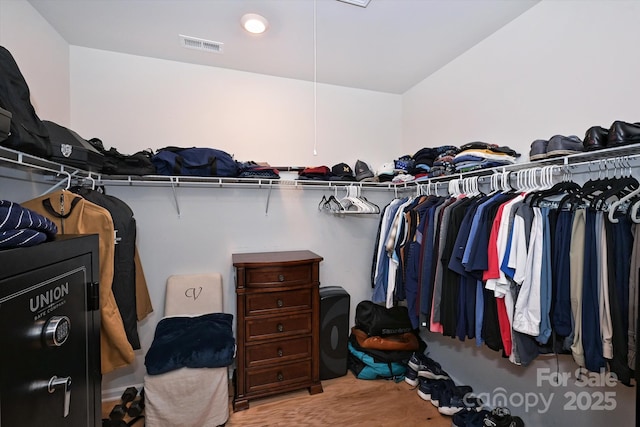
[(375, 319), (116, 163)]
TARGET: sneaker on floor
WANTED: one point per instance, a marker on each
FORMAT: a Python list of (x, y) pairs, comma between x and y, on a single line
[(411, 376), (454, 399), (462, 418), (444, 401), (425, 388), (461, 400), (427, 367), (469, 418), (438, 390), (428, 389), (501, 417), (417, 361)]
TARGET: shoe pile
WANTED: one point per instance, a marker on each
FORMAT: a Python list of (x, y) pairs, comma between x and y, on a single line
[(435, 386), (596, 138)]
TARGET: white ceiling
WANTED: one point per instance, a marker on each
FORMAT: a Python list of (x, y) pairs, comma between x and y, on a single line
[(389, 46)]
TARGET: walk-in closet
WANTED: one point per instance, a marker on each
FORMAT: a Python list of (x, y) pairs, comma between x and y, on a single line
[(345, 90)]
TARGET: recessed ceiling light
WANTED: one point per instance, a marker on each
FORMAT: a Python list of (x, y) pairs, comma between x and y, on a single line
[(254, 23)]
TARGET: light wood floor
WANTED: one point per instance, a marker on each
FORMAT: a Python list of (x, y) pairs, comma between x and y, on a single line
[(345, 401)]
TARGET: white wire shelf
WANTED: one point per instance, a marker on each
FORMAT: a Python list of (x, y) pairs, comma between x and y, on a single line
[(66, 175)]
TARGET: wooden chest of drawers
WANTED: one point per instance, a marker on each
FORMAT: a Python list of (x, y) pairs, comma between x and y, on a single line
[(278, 324)]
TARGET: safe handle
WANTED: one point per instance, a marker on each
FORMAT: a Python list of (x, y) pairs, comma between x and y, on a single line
[(56, 383)]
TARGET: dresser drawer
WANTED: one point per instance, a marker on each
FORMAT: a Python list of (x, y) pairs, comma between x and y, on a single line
[(269, 378), (278, 275), (262, 303), (278, 351), (277, 326)]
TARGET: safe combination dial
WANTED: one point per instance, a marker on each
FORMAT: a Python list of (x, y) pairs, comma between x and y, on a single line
[(56, 331)]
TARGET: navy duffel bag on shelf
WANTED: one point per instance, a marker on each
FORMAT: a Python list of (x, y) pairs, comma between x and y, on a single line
[(194, 161)]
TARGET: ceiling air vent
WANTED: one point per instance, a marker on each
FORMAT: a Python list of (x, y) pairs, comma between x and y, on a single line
[(361, 3), (201, 44)]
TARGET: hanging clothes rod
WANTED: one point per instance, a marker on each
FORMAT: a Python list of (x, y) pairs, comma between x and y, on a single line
[(575, 163)]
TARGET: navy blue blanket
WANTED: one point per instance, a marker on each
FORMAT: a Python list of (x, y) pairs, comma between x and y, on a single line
[(193, 342)]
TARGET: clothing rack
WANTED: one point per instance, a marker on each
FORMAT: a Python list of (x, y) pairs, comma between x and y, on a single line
[(603, 163), (600, 165)]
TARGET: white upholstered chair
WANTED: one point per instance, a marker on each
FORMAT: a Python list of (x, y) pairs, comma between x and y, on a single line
[(189, 397)]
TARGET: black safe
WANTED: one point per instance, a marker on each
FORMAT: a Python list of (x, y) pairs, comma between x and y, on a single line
[(50, 334)]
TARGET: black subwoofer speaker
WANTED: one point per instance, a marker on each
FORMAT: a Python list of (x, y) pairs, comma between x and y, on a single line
[(334, 331)]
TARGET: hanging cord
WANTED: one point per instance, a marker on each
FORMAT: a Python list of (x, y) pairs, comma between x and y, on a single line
[(315, 82), (266, 209)]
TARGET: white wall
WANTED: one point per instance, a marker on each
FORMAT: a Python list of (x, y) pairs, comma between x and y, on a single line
[(133, 103), (33, 42), (560, 68)]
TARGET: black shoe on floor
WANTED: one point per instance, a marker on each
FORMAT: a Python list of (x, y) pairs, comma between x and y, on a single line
[(411, 376), (501, 417), (427, 367), (469, 418)]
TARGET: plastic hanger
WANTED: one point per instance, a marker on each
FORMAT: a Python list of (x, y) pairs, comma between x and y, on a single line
[(614, 206), (550, 189), (506, 181), (633, 212), (323, 201), (633, 207), (332, 204), (364, 203)]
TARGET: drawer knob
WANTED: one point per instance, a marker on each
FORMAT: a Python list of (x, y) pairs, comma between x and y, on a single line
[(281, 277), (280, 327), (280, 376), (280, 353), (280, 303)]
